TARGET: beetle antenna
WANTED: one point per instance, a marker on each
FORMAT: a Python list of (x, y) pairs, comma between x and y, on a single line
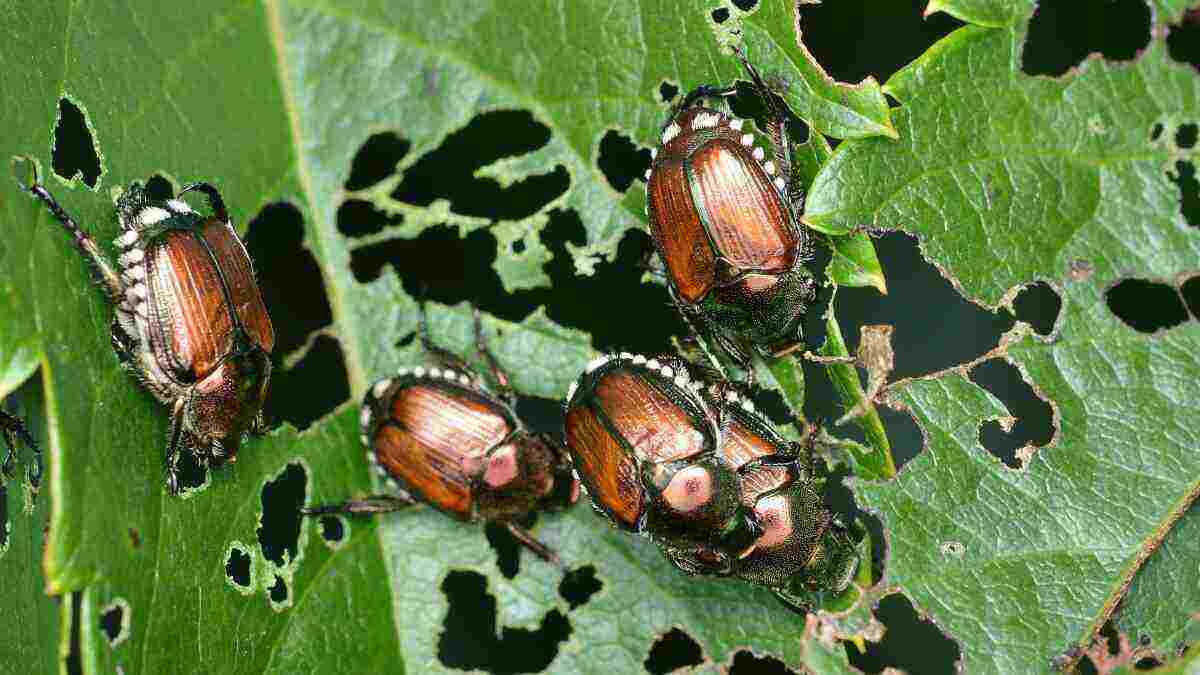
[(214, 199)]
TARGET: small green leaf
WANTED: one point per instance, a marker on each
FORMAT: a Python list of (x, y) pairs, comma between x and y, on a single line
[(854, 262)]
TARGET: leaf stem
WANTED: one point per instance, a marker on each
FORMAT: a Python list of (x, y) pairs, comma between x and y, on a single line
[(876, 464)]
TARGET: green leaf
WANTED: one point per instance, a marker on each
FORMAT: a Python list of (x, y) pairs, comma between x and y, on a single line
[(1007, 179), (853, 261)]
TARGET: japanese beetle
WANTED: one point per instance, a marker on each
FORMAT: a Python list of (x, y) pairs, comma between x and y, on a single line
[(669, 450), (725, 222), (13, 428), (189, 319), (645, 445), (439, 435), (802, 546)]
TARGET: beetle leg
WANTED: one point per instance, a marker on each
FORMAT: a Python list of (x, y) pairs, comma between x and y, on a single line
[(780, 143), (83, 241), (374, 504), (259, 426), (176, 433), (503, 385), (14, 430), (530, 542), (214, 199)]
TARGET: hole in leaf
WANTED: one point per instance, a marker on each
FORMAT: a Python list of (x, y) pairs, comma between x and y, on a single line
[(903, 433), (1183, 40), (719, 15), (74, 151), (192, 474), (1185, 136), (518, 247), (288, 277), (674, 650), (1060, 36), (114, 622), (237, 567), (450, 270), (937, 654), (540, 414), (669, 90), (579, 585), (935, 326), (1189, 191), (357, 218), (621, 161), (470, 642), (282, 498), (1191, 295), (845, 36), (1147, 663), (748, 103), (279, 591), (1034, 425), (507, 548), (1156, 131), (333, 530), (448, 172), (376, 160), (159, 188), (745, 5), (745, 663), (292, 287), (1038, 305), (312, 388), (74, 661), (1146, 306)]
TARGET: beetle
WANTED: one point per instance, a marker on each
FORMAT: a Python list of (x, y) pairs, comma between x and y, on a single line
[(803, 547), (645, 445), (671, 450), (189, 320), (12, 429), (441, 436), (725, 222)]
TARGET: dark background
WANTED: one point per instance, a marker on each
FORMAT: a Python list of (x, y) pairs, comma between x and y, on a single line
[(935, 327)]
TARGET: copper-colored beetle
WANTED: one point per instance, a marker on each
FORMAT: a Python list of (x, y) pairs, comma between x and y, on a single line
[(665, 450), (438, 435), (645, 444), (725, 223), (189, 319), (802, 546)]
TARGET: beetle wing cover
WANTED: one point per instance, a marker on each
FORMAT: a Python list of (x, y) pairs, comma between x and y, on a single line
[(188, 323), (657, 428), (239, 277), (744, 214), (606, 468), (676, 226), (435, 439)]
